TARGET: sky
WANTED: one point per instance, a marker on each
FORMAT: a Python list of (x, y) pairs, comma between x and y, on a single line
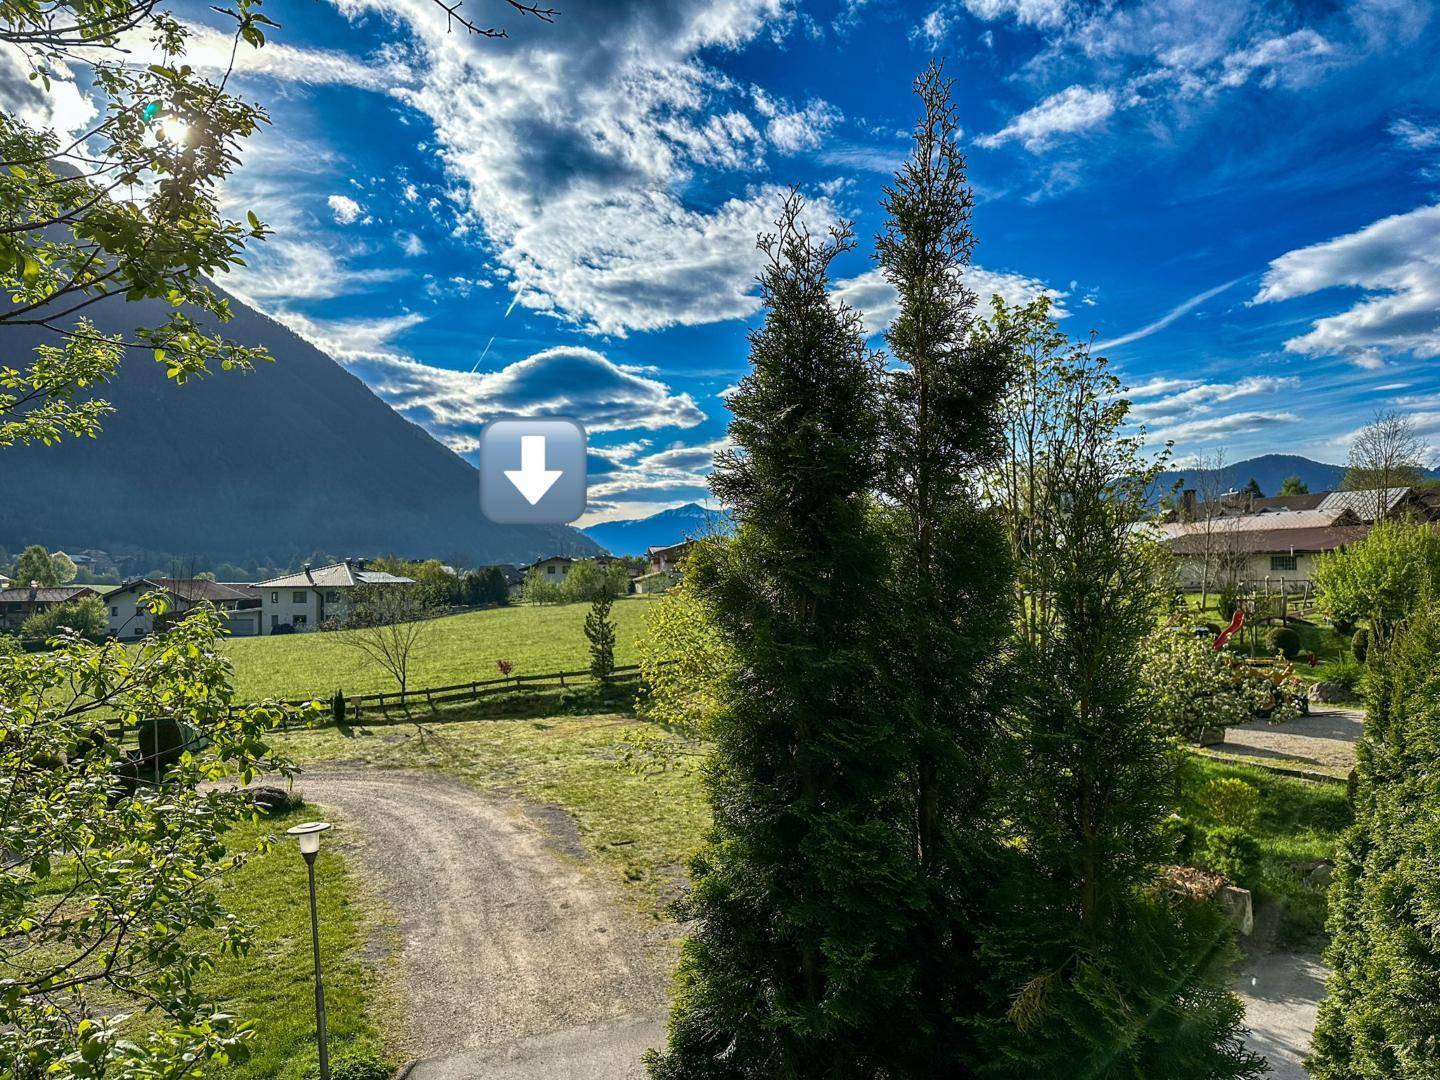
[(1237, 199)]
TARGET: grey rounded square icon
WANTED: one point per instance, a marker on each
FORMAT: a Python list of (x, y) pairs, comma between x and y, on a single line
[(532, 472)]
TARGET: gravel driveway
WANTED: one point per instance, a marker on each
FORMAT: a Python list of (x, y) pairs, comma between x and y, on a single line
[(505, 934), (1282, 992), (1324, 741)]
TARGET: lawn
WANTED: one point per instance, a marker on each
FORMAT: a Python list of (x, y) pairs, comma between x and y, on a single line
[(271, 986), (643, 822), (459, 648), (1300, 821)]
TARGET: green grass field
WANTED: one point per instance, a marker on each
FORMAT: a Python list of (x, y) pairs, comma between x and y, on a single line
[(459, 648)]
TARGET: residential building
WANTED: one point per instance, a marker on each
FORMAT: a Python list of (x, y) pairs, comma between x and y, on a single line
[(237, 604), (18, 603), (316, 595), (665, 566), (555, 568)]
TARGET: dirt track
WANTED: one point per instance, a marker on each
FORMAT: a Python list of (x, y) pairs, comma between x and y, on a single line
[(504, 932)]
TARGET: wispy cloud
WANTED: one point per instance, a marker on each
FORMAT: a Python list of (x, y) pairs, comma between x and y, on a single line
[(1076, 108), (876, 300), (1178, 311)]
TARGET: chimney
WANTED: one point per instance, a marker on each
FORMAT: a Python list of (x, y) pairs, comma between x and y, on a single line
[(1187, 505), (308, 578)]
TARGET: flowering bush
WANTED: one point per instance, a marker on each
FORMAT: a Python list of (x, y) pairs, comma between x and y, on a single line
[(1198, 688)]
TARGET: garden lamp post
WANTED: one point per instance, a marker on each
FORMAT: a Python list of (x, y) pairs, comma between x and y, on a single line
[(308, 836)]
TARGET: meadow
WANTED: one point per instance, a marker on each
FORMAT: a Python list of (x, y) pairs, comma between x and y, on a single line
[(458, 648)]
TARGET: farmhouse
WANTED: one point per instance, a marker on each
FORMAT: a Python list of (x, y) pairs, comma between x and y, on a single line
[(239, 607), (665, 564), (314, 596), (555, 568), (18, 603), (1276, 542)]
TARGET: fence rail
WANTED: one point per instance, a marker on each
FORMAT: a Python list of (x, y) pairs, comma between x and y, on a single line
[(356, 705)]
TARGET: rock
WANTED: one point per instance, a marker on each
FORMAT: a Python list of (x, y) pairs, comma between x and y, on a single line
[(269, 799), (1321, 875), (1211, 736), (1329, 693), (1236, 903)]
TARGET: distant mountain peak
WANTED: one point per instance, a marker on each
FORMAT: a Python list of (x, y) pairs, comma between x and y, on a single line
[(670, 526)]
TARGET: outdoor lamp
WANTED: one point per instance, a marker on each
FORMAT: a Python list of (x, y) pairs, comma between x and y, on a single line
[(308, 837)]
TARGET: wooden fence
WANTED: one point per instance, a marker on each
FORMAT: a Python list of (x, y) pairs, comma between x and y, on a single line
[(358, 705)]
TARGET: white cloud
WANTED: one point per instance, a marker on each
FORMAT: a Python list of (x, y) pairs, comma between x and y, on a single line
[(1076, 108), (576, 147), (563, 381), (1038, 13), (64, 107), (1180, 309), (1415, 135), (1172, 400), (933, 29), (874, 297), (640, 477), (1215, 428), (1396, 261), (346, 210), (411, 244), (297, 269)]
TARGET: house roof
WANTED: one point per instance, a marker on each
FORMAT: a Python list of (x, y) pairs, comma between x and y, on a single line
[(668, 548), (341, 575), (45, 594), (1364, 503), (1304, 540), (193, 590), (547, 559), (1309, 501), (1266, 521)]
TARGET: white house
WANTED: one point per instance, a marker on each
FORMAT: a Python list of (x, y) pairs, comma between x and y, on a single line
[(554, 568), (315, 595), (240, 608), (665, 566)]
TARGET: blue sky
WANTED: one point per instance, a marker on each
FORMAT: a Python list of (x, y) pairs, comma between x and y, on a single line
[(1238, 198)]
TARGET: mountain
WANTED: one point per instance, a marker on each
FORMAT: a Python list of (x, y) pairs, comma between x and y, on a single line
[(296, 457), (1268, 470), (671, 526)]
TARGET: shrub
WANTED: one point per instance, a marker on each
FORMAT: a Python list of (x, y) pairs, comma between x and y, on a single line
[(1284, 640), (10, 645), (337, 707), (161, 744), (1382, 577), (86, 617), (1231, 802), (1232, 853), (1227, 603), (356, 1066), (1360, 644), (1182, 837), (1343, 624)]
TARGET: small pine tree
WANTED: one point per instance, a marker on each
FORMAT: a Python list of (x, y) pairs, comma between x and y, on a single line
[(600, 632), (1381, 1015), (337, 708)]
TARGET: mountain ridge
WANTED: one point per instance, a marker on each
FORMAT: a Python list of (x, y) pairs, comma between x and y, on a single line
[(634, 536), (297, 456)]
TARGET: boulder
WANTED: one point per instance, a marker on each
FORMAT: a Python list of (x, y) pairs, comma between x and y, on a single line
[(1320, 875), (1236, 903), (1330, 693), (269, 799)]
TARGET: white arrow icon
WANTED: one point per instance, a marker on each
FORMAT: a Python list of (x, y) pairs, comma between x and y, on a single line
[(532, 479)]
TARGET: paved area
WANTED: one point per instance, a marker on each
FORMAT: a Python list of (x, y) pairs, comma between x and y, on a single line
[(505, 934), (1282, 992), (1323, 741)]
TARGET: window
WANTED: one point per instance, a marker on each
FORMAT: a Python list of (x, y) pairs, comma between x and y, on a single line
[(332, 597), (550, 569), (274, 597), (1283, 562), (300, 596), (114, 611), (274, 621)]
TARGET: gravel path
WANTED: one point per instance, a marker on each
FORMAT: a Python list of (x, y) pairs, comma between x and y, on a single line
[(1324, 741), (504, 933)]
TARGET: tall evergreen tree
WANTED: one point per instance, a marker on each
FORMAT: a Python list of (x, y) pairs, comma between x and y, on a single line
[(1098, 972), (1381, 1015), (800, 962), (951, 608)]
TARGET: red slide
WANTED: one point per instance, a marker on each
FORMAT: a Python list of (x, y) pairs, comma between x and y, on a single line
[(1225, 635)]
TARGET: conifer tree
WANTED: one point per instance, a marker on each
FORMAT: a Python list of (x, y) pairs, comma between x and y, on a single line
[(1097, 971), (800, 962), (951, 606), (600, 632), (1381, 1015)]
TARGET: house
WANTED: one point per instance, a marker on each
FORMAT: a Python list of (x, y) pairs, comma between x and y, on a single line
[(1276, 542), (665, 566), (553, 567), (315, 595), (239, 607), (18, 603)]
